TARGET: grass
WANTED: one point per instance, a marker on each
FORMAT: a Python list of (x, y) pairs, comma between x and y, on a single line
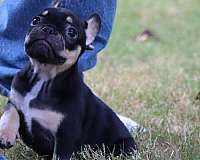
[(154, 83)]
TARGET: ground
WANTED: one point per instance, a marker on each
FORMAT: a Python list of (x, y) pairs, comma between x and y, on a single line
[(153, 82)]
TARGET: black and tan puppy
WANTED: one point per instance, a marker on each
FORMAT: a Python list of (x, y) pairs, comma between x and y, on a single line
[(49, 105)]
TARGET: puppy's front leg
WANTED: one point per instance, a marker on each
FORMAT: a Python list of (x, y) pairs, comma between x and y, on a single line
[(67, 138), (9, 126), (63, 148)]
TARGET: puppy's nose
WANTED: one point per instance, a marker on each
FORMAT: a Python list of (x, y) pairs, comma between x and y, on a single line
[(49, 30)]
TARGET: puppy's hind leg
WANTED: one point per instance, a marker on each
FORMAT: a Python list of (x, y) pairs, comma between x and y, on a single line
[(131, 125), (9, 126)]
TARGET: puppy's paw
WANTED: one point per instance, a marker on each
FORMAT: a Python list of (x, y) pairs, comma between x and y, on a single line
[(9, 125), (7, 138)]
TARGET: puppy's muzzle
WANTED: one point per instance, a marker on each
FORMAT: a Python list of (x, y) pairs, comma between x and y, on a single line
[(44, 43)]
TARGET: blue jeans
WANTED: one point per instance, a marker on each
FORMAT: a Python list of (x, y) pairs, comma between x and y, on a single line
[(2, 157), (15, 17)]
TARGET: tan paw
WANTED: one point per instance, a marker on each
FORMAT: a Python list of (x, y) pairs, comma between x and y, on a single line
[(9, 125), (7, 138)]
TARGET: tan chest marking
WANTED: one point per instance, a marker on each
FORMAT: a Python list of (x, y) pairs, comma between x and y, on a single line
[(48, 119), (22, 103)]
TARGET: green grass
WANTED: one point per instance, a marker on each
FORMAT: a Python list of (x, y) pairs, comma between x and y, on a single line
[(154, 83)]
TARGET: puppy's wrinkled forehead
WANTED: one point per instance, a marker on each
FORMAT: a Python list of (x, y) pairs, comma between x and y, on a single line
[(60, 17)]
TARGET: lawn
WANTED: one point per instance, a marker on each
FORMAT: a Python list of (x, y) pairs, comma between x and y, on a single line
[(154, 82)]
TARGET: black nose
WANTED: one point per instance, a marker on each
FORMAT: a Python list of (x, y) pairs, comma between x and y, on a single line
[(48, 30)]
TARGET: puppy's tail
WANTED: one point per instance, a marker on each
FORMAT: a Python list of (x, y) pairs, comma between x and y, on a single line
[(131, 125)]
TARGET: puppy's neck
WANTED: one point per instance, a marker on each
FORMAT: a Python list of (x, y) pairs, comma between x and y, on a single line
[(48, 71)]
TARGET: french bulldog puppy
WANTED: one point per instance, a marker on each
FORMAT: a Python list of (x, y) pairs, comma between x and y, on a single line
[(54, 111)]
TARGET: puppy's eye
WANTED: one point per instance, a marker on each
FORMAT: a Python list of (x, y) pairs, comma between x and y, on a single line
[(72, 33), (35, 21)]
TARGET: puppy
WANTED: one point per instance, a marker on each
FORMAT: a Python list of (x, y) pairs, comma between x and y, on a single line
[(51, 107)]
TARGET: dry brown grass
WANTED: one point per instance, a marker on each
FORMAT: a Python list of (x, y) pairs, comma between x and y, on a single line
[(154, 83)]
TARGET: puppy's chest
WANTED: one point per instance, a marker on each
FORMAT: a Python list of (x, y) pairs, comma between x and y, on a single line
[(33, 109)]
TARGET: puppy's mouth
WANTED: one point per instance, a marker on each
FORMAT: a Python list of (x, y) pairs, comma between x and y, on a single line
[(43, 52)]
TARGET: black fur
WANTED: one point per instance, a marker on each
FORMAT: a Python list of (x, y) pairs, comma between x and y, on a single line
[(88, 120)]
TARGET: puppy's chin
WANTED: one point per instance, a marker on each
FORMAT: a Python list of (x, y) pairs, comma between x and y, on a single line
[(43, 52), (48, 71)]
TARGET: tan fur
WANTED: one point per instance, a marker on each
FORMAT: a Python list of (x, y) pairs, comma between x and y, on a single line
[(49, 71), (69, 19), (45, 13), (48, 119), (23, 103), (9, 125), (91, 31)]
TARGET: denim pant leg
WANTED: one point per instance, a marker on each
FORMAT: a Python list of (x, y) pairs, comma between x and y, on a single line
[(14, 23)]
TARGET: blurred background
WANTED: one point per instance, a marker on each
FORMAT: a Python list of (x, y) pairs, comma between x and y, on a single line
[(150, 72)]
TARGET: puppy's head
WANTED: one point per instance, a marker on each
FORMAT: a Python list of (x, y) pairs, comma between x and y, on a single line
[(57, 36)]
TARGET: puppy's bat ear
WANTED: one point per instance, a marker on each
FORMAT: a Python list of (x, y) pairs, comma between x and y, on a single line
[(92, 26), (56, 3)]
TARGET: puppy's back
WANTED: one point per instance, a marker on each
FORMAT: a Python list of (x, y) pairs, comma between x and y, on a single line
[(102, 126)]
